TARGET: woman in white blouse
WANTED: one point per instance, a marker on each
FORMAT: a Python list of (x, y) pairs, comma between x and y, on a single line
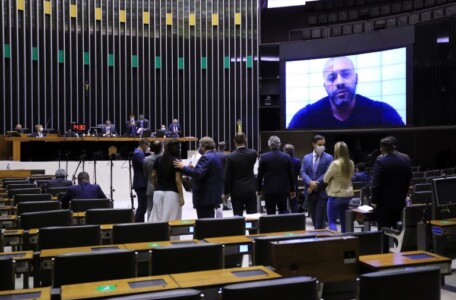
[(339, 189)]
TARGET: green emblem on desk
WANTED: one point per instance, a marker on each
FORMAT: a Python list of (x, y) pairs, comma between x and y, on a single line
[(154, 245), (289, 233), (106, 288)]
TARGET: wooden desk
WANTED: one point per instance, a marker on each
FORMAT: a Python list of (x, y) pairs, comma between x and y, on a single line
[(8, 221), (182, 227), (23, 260), (118, 287), (15, 173), (222, 277), (378, 262), (444, 227), (17, 142), (13, 237), (444, 237), (361, 216), (46, 255), (38, 293)]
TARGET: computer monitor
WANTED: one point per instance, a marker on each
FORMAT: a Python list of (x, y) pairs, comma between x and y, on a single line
[(160, 133), (444, 190)]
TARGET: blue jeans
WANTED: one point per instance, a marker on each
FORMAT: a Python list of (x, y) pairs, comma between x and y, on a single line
[(336, 210)]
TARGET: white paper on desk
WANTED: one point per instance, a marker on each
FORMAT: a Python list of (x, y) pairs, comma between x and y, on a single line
[(253, 216), (365, 208)]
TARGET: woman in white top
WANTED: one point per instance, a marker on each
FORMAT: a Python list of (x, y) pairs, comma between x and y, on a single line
[(339, 189)]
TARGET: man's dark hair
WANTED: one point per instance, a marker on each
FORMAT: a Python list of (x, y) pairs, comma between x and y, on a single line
[(239, 138), (289, 148), (156, 147), (361, 167), (388, 144), (83, 177), (143, 142), (317, 138), (221, 146)]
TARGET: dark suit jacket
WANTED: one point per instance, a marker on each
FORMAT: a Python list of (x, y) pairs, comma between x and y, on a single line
[(222, 157), (275, 173), (306, 172), (35, 134), (59, 182), (207, 180), (139, 178), (83, 190), (296, 163), (145, 123), (240, 179), (390, 183), (171, 127)]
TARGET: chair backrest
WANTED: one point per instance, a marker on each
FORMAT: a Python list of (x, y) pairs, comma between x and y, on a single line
[(278, 223), (100, 216), (69, 236), (54, 191), (78, 205), (432, 173), (418, 180), (421, 283), (411, 215), (140, 232), (422, 197), (301, 287), (93, 266), (11, 181), (15, 186), (207, 228), (46, 219), (12, 193), (7, 273), (357, 185), (261, 246), (418, 174), (25, 207), (370, 242), (31, 197), (187, 258), (422, 187), (178, 294)]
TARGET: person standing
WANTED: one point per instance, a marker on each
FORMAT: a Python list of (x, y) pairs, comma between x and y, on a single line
[(314, 167), (156, 149), (168, 195), (139, 179), (239, 177), (340, 188), (390, 184), (296, 163), (207, 179), (275, 178)]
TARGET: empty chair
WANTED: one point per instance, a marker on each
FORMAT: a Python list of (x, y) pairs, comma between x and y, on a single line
[(45, 219), (12, 181), (178, 294), (417, 181), (99, 216), (31, 197), (7, 273), (278, 223), (301, 287), (207, 228), (54, 191), (406, 237), (447, 172), (432, 173), (370, 242), (12, 193), (418, 174), (422, 283), (69, 236), (140, 232), (187, 258), (93, 266), (25, 207), (78, 205), (422, 197), (16, 186), (422, 187)]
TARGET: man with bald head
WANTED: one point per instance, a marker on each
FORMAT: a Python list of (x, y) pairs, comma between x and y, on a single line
[(343, 108)]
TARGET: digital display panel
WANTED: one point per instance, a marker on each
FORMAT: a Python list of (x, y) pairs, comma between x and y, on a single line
[(78, 127)]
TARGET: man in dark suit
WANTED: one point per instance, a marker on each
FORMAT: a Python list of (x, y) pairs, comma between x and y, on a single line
[(275, 178), (131, 127), (140, 179), (314, 167), (83, 190), (175, 128), (240, 181), (296, 164), (390, 184), (109, 129), (207, 179), (59, 180), (142, 124)]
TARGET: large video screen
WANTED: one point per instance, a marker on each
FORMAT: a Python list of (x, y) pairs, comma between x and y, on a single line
[(354, 91)]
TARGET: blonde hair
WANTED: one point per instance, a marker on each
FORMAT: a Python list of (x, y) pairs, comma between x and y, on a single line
[(342, 154)]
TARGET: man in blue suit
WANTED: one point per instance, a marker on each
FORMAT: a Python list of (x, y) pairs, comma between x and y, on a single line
[(175, 128), (83, 190), (314, 167), (207, 179), (140, 179), (275, 178)]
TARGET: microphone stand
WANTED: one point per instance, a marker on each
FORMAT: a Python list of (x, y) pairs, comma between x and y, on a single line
[(76, 171), (83, 156), (132, 196), (67, 155), (110, 177), (60, 156), (95, 168)]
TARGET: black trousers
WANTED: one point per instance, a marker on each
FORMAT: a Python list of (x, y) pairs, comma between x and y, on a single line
[(142, 204), (247, 202), (205, 212)]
